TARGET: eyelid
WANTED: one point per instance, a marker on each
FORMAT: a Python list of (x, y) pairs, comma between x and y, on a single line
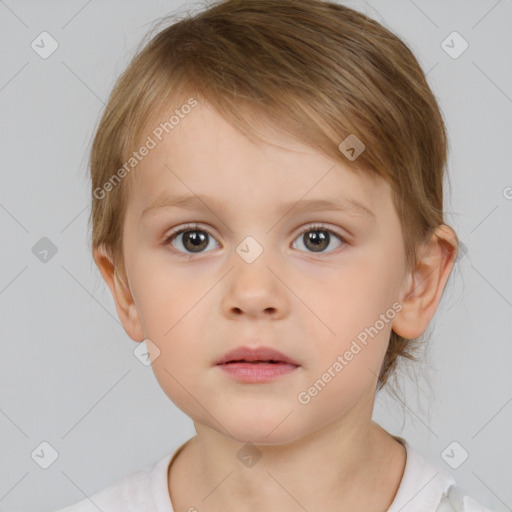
[(309, 227), (192, 226), (320, 226)]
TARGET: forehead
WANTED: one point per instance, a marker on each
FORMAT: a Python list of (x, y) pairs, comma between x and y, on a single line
[(201, 154)]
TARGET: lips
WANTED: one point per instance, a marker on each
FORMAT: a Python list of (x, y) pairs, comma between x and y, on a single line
[(257, 355)]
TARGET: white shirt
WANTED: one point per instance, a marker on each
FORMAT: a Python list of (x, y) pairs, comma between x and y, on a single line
[(423, 488)]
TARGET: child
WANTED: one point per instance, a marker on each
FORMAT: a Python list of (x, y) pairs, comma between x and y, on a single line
[(297, 149)]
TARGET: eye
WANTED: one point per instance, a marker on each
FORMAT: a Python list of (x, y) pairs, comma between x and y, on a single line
[(318, 237), (194, 239)]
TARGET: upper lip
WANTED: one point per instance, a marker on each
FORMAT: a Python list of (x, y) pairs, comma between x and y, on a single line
[(256, 354)]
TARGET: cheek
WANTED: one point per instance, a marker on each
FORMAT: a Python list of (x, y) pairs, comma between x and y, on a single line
[(175, 314), (162, 293), (354, 296), (356, 309)]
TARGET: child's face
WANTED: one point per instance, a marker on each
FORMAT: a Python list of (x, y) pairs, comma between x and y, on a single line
[(307, 301)]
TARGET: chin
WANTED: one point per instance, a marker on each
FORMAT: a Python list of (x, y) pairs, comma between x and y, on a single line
[(272, 429)]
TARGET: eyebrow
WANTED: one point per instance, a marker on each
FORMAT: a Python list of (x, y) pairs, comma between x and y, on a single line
[(201, 202)]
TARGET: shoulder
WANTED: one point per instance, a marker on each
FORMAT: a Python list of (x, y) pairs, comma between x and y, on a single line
[(426, 487), (145, 489), (456, 501)]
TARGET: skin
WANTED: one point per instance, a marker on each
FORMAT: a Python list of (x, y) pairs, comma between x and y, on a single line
[(326, 455)]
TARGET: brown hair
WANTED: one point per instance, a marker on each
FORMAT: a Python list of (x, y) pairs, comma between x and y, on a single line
[(317, 70)]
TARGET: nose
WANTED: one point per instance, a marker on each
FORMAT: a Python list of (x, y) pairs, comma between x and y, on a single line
[(254, 290)]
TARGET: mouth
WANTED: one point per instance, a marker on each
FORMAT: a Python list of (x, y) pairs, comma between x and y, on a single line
[(257, 356), (256, 372), (255, 362), (256, 365)]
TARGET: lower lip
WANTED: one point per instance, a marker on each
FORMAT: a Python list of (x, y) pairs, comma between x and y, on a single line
[(256, 372)]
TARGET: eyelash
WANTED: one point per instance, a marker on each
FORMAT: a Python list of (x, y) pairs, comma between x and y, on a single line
[(196, 227)]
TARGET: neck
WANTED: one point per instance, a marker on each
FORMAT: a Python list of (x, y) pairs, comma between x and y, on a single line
[(338, 469)]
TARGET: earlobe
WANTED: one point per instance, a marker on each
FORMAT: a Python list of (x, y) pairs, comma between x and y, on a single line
[(425, 285), (123, 299)]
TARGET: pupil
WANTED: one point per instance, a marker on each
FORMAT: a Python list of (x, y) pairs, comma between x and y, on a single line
[(319, 240), (196, 238)]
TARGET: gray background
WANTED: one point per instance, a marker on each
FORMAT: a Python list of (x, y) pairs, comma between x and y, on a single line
[(68, 375)]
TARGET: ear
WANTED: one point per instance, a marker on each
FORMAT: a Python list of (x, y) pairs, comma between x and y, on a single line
[(424, 286), (125, 305)]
